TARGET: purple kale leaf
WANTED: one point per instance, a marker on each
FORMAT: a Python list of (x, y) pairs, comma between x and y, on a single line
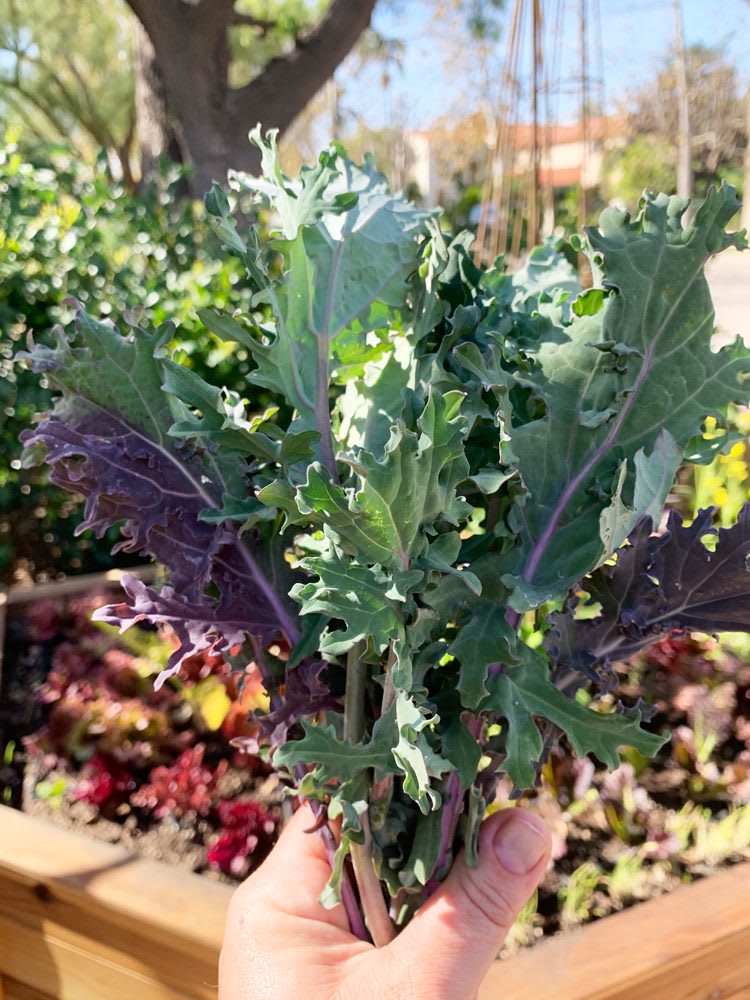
[(306, 693), (662, 583), (108, 439)]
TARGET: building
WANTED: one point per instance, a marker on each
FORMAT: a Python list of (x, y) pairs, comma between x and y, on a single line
[(442, 159)]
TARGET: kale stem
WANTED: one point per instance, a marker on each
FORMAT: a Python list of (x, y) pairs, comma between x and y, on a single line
[(348, 897), (354, 696), (370, 890), (452, 809), (389, 691)]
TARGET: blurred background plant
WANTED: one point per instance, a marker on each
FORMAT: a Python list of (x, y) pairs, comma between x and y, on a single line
[(67, 230), (101, 746)]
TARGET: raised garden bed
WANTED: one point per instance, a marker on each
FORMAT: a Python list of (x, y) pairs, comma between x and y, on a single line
[(83, 921), (617, 837)]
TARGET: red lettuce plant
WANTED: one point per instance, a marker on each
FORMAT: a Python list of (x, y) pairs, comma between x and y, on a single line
[(450, 450), (247, 830), (187, 787), (104, 782)]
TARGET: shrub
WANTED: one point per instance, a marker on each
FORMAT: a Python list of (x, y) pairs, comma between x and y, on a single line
[(67, 230)]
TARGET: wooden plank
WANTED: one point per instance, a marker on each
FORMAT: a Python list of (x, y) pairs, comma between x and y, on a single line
[(180, 909), (23, 593), (18, 991), (693, 944), (133, 949), (83, 911), (66, 972)]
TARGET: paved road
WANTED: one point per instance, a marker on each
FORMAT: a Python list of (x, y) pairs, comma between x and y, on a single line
[(729, 280)]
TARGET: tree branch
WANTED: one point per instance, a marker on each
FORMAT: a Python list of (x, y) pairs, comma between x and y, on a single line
[(289, 82)]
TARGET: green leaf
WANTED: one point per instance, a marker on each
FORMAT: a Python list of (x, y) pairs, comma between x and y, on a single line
[(441, 556), (524, 692), (225, 327), (414, 756), (99, 358), (486, 639), (334, 759), (372, 404), (654, 476), (279, 495), (217, 202), (412, 487), (357, 595), (359, 528), (642, 362), (425, 851), (463, 751), (346, 264)]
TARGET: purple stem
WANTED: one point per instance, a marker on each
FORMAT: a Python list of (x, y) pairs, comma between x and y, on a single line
[(448, 824), (348, 897), (451, 814)]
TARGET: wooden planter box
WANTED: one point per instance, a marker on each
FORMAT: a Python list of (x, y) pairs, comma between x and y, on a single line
[(82, 920)]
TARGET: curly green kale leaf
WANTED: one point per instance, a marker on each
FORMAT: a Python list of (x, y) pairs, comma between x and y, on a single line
[(611, 382)]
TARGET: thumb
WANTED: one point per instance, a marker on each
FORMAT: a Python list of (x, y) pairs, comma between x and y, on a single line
[(456, 936)]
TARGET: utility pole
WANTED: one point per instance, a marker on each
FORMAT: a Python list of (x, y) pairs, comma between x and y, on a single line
[(684, 158)]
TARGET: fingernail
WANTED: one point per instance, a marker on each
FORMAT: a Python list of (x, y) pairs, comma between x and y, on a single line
[(519, 844)]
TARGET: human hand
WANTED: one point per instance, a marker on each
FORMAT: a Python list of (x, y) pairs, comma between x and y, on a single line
[(281, 944)]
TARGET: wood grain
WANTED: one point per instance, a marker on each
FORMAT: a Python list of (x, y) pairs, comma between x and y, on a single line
[(82, 920), (693, 944), (77, 916), (18, 991)]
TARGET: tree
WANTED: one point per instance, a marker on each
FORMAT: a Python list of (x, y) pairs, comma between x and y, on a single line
[(717, 121), (66, 75), (185, 64), (183, 78)]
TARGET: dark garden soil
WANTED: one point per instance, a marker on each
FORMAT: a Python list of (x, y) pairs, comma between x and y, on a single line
[(618, 839)]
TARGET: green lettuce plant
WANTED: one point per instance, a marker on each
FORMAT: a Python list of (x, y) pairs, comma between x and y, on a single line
[(454, 458)]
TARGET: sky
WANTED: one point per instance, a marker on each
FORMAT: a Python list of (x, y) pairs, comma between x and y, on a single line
[(636, 34)]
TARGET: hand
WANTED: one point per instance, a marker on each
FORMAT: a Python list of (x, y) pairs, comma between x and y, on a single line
[(281, 944)]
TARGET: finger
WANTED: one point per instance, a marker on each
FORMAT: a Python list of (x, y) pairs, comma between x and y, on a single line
[(456, 936), (295, 873)]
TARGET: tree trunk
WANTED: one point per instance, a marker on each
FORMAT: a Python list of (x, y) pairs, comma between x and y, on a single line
[(190, 43), (156, 134)]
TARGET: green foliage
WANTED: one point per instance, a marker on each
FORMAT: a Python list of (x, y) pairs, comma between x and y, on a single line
[(68, 231), (67, 76), (645, 164), (725, 481)]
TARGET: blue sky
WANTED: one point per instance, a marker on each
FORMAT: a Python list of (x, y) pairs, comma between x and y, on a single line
[(635, 35)]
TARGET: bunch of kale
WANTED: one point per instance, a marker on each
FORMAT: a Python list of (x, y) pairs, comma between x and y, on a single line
[(453, 452)]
